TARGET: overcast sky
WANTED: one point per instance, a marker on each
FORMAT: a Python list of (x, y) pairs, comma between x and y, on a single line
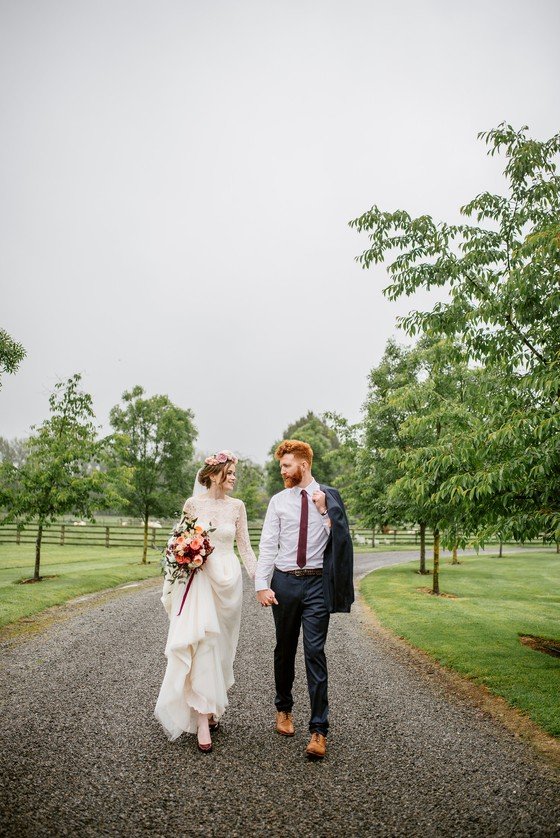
[(177, 179)]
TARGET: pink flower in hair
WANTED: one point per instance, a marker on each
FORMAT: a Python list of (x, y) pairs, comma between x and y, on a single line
[(221, 458)]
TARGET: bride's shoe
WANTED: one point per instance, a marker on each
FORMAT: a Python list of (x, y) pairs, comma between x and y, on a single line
[(205, 746), (213, 724)]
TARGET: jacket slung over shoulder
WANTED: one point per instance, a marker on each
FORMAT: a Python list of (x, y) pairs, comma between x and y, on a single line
[(338, 561)]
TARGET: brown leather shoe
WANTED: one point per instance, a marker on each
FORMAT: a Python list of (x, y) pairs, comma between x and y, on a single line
[(317, 747), (284, 723)]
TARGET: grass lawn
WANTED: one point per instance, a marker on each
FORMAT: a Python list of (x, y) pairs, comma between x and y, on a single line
[(477, 634), (75, 571)]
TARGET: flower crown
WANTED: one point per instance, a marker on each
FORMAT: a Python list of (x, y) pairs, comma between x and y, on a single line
[(220, 458)]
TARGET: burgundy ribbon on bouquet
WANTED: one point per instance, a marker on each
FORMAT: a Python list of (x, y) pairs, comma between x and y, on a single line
[(189, 583)]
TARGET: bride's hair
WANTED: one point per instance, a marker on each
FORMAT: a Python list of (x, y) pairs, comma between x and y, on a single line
[(206, 471), (216, 464), (296, 447)]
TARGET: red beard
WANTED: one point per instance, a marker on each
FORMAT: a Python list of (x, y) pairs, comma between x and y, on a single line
[(294, 479)]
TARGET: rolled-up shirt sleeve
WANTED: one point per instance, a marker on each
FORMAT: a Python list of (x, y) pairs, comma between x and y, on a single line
[(268, 547)]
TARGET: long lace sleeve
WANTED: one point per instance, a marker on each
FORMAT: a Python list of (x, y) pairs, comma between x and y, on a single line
[(244, 542), (167, 596), (189, 508), (167, 592)]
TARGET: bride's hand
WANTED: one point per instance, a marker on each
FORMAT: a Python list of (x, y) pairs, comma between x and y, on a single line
[(266, 598)]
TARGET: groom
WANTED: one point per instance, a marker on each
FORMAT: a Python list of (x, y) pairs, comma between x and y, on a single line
[(307, 550)]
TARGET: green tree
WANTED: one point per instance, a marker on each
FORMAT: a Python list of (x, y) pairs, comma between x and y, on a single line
[(13, 451), (438, 407), (11, 354), (496, 478), (377, 445), (390, 402), (383, 419), (343, 460), (502, 276), (251, 488), (55, 477), (320, 437), (149, 455), (366, 472)]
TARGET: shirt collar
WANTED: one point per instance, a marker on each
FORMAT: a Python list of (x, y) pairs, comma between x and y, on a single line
[(313, 487)]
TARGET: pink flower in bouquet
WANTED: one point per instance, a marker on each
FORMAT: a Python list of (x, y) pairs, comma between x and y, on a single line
[(197, 561), (196, 543)]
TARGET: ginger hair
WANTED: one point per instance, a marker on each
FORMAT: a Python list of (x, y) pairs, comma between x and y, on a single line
[(299, 449)]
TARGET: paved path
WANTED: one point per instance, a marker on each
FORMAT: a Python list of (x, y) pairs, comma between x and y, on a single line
[(366, 562), (83, 756)]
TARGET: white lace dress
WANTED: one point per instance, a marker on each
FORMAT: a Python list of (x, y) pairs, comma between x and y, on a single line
[(202, 641)]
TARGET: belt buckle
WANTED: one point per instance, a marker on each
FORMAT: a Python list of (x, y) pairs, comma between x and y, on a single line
[(299, 572)]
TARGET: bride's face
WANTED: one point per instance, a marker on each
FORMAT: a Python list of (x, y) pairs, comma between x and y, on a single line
[(228, 483)]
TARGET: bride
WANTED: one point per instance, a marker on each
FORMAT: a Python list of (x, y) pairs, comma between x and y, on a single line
[(202, 638)]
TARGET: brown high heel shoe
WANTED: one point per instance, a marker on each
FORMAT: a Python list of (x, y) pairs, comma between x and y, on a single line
[(213, 724)]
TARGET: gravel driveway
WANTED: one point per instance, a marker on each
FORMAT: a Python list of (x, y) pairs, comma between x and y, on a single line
[(82, 754)]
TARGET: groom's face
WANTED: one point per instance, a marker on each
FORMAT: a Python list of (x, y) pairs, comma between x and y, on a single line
[(291, 471)]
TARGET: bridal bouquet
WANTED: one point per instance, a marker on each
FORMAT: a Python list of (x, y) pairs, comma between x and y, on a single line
[(187, 549)]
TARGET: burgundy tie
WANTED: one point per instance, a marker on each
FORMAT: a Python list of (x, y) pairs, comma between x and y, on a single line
[(302, 540)]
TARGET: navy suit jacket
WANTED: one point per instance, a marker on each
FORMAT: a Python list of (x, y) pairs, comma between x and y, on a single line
[(338, 561)]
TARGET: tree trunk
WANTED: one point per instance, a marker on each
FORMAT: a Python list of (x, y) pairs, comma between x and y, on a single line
[(435, 586), (145, 548), (501, 553), (38, 552), (423, 547), (454, 559), (558, 546)]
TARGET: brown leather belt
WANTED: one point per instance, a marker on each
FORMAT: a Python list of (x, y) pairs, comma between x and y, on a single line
[(304, 571)]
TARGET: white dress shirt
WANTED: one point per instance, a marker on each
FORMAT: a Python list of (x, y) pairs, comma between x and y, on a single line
[(280, 534)]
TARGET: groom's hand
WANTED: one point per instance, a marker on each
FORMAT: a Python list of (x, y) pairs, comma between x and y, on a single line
[(266, 598), (319, 498)]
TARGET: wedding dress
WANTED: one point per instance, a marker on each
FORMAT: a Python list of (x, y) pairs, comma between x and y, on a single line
[(202, 640)]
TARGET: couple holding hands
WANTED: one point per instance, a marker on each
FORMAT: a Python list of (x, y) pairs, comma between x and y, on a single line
[(304, 573)]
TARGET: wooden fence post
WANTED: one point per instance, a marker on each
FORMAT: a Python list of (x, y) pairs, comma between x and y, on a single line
[(107, 536), (373, 537), (18, 535), (62, 534), (153, 536)]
